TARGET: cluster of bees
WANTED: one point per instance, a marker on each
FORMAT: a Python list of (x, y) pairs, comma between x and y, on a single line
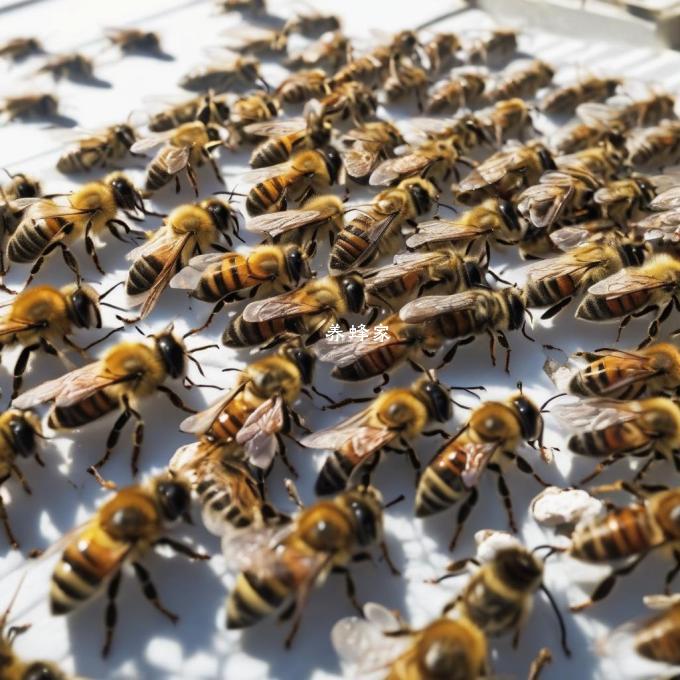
[(580, 202)]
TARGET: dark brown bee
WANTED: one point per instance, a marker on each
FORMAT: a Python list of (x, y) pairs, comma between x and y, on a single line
[(349, 100), (246, 39), (100, 150), (256, 107), (368, 68), (330, 50), (304, 85), (28, 106), (620, 199), (497, 47), (566, 98), (622, 113), (405, 78), (135, 41), (312, 24), (19, 186), (440, 51), (364, 147), (505, 119), (462, 89), (209, 109), (222, 76), (74, 66), (658, 145), (18, 49), (522, 81), (577, 136)]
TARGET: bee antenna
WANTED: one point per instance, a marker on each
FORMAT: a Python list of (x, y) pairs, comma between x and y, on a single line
[(446, 205), (140, 331), (472, 389), (547, 401), (552, 549), (189, 384), (560, 620), (202, 347), (231, 194), (6, 613), (266, 85), (394, 501), (519, 386), (105, 293)]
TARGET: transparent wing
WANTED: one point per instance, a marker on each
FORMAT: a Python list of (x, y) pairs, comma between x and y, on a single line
[(433, 305), (201, 422), (594, 414), (151, 141), (262, 174), (190, 276), (360, 161), (402, 264), (350, 350), (275, 224), (276, 128), (445, 230), (293, 303), (477, 455), (173, 159), (258, 433), (394, 168), (624, 282), (160, 239)]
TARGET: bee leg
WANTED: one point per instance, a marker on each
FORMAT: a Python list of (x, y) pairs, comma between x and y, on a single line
[(524, 466), (639, 475), (113, 437), (92, 252), (605, 587), (463, 514), (552, 311), (20, 368), (609, 460), (181, 549), (492, 347), (137, 439), (653, 329), (503, 342), (297, 419), (20, 476), (505, 495), (215, 311), (297, 615), (66, 254), (4, 518), (448, 357), (543, 658), (670, 576), (215, 167), (624, 322), (193, 179), (111, 613), (350, 588), (284, 456), (150, 592), (385, 380), (175, 399), (178, 187)]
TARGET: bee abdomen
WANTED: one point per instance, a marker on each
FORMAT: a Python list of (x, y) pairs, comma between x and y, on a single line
[(242, 333), (334, 474), (620, 534), (143, 274), (80, 160), (268, 153), (82, 412), (218, 507), (73, 582), (252, 599), (371, 364), (437, 490), (350, 244), (494, 613), (595, 380), (660, 639), (265, 196), (619, 437), (28, 242), (156, 177), (549, 291)]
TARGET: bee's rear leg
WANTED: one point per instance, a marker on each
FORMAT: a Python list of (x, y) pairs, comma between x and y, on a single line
[(111, 613), (4, 518), (463, 514), (20, 369), (150, 592)]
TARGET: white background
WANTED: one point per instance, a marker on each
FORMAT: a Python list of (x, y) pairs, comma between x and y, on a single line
[(146, 645)]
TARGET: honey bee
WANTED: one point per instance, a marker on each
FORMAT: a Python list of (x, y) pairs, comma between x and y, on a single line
[(20, 185), (504, 119), (256, 107), (23, 107), (19, 429), (320, 213), (18, 49), (566, 98), (604, 161), (452, 648), (554, 282), (463, 89), (135, 41), (491, 436), (154, 506), (14, 668), (312, 24), (253, 40), (632, 292), (377, 229), (43, 317), (440, 51), (622, 113), (222, 76), (629, 533), (279, 567), (99, 150), (76, 67), (558, 196), (47, 226), (258, 410), (505, 173), (349, 100), (405, 78), (287, 137), (470, 313), (186, 147), (209, 109), (522, 81), (498, 596), (307, 311), (304, 85), (577, 136), (493, 220), (331, 49), (126, 374), (225, 277), (620, 374), (368, 68), (363, 147), (496, 47), (188, 229), (394, 417), (306, 173), (657, 145), (255, 7), (612, 430), (620, 199), (384, 347)]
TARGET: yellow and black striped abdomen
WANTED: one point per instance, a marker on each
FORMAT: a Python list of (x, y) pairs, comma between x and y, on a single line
[(550, 291), (601, 308), (242, 333), (441, 485), (82, 159), (457, 324), (595, 380), (373, 363), (82, 412), (659, 639), (31, 238), (621, 533), (278, 149), (143, 274), (227, 425), (254, 598), (268, 196), (623, 438)]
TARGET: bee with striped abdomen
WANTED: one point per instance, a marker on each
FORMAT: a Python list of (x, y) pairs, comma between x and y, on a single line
[(123, 530), (306, 173), (658, 145), (566, 98), (462, 89), (186, 147), (189, 229), (444, 648), (633, 292), (18, 49), (136, 41), (611, 430), (76, 67), (312, 23), (394, 417), (126, 374), (302, 86), (349, 100), (405, 78), (28, 106), (363, 147), (99, 150), (248, 39), (258, 410), (555, 281), (308, 311), (497, 46), (620, 199), (19, 186), (377, 229), (491, 436), (440, 51), (623, 113), (367, 69), (223, 75), (256, 107), (279, 567), (331, 50), (209, 109), (19, 430), (522, 81)]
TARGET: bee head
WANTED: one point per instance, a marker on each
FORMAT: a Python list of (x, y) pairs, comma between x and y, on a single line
[(509, 215), (352, 286), (221, 213), (125, 135), (365, 504), (437, 399), (24, 187), (546, 158), (83, 306), (518, 569), (172, 354), (174, 498), (634, 253), (472, 272), (303, 358), (529, 416), (333, 162), (40, 670), (124, 192), (516, 308), (23, 433), (296, 264)]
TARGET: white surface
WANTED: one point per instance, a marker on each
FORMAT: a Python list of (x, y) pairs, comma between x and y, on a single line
[(146, 645)]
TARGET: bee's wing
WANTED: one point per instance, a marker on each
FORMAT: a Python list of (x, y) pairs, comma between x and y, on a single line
[(262, 174), (597, 114), (360, 160), (258, 433), (349, 350), (188, 277), (567, 238), (274, 224), (562, 265), (624, 282), (667, 200), (444, 230), (293, 303), (11, 326), (70, 388), (201, 422), (477, 455), (433, 305), (240, 36), (158, 239), (373, 232), (173, 159), (275, 128), (393, 168), (593, 414), (402, 264), (489, 171), (151, 141)]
